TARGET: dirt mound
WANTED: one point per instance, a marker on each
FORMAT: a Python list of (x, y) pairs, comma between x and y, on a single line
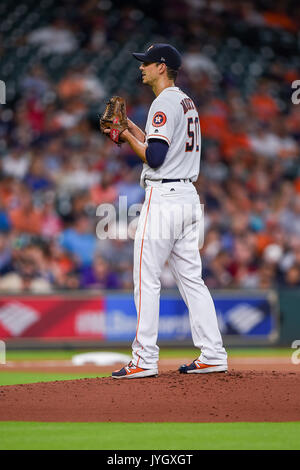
[(171, 397)]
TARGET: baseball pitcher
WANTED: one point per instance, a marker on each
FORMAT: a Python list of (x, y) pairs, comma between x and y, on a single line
[(168, 228)]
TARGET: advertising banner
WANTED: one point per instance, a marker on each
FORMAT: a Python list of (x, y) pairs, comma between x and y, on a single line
[(240, 316), (243, 318), (52, 317)]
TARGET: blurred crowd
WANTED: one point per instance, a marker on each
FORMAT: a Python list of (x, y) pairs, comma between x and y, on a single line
[(56, 168)]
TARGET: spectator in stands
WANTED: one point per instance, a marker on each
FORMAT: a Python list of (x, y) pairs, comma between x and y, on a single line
[(263, 142), (196, 63), (37, 178), (99, 276), (5, 223), (25, 275), (62, 266), (16, 162), (262, 102), (277, 17), (5, 253), (104, 192), (79, 240), (56, 166), (130, 188), (83, 82), (56, 38), (290, 217), (292, 277), (26, 217), (36, 83), (213, 168), (117, 250), (75, 174), (51, 222)]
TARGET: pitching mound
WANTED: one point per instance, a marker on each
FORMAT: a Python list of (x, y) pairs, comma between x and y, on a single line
[(236, 396)]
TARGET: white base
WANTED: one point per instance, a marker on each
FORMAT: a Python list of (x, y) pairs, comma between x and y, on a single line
[(100, 358)]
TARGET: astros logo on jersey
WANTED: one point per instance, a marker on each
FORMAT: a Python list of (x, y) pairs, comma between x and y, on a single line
[(159, 119)]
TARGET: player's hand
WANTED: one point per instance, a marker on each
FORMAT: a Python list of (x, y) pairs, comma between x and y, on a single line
[(123, 133)]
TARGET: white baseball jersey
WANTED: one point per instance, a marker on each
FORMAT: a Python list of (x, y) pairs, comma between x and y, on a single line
[(173, 118)]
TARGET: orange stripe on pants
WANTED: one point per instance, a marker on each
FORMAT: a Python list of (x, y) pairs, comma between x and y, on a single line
[(140, 276)]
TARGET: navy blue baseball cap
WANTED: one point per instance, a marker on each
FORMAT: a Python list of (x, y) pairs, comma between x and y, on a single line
[(163, 53)]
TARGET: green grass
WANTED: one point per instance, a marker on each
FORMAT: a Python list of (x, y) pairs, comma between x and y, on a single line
[(149, 436), (164, 353), (15, 377)]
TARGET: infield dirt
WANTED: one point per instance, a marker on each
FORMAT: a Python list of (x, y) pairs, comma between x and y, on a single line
[(245, 395)]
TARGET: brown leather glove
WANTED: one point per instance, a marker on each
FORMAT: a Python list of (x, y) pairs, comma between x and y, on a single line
[(114, 118)]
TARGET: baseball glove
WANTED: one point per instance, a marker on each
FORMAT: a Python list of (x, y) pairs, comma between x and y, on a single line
[(114, 118)]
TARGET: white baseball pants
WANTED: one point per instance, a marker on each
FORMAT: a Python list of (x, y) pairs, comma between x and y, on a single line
[(168, 229)]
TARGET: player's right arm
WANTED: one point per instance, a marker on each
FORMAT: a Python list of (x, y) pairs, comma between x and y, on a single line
[(136, 131), (152, 152), (135, 137), (139, 147)]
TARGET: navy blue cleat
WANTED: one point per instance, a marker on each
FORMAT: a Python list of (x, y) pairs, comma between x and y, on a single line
[(133, 372), (197, 367)]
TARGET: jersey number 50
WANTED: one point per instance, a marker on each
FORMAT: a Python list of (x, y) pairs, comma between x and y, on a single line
[(193, 131)]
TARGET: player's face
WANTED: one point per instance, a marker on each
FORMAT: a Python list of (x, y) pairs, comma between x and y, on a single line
[(150, 72)]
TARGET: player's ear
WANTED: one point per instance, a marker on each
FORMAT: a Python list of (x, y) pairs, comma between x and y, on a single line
[(162, 67)]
